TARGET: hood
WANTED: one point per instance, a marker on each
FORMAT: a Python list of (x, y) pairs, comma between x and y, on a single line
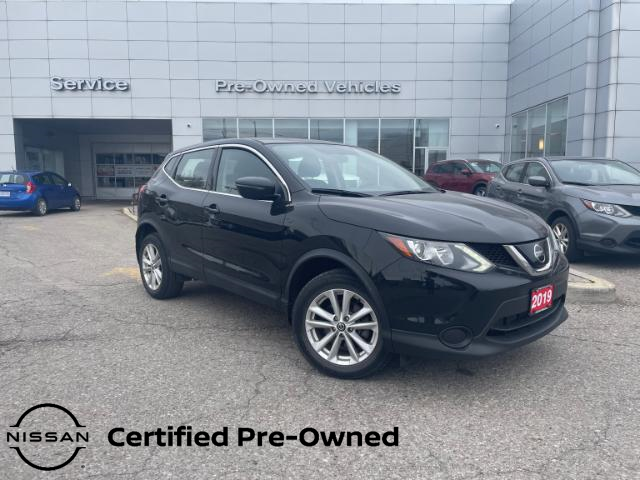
[(450, 216), (619, 194)]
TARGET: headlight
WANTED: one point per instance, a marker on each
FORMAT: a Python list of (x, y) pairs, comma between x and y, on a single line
[(606, 208), (443, 254)]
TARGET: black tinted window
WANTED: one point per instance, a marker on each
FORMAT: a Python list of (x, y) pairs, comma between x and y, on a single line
[(236, 163), (43, 180), (514, 172), (58, 180), (193, 169)]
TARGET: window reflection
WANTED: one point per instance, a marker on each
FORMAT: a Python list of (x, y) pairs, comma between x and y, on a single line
[(362, 133), (541, 130)]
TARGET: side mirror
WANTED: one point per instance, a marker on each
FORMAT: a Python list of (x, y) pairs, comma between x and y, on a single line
[(466, 172), (257, 188), (536, 181)]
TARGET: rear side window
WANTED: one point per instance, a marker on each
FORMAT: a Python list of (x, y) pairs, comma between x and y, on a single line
[(193, 169), (514, 172), (43, 179), (170, 166), (13, 178), (236, 163)]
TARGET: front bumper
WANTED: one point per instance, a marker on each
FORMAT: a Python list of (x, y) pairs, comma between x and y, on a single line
[(607, 234), (425, 302)]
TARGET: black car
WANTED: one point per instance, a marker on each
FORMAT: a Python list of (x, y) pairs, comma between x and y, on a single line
[(365, 258), (592, 204)]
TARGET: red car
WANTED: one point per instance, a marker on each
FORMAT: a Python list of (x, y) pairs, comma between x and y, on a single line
[(469, 176)]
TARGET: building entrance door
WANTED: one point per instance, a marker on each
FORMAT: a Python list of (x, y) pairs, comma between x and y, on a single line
[(122, 167), (39, 159)]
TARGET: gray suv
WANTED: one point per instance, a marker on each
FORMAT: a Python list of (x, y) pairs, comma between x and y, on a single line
[(592, 204)]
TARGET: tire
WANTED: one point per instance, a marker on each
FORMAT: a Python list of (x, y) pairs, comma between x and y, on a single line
[(169, 284), (480, 190), (77, 204), (41, 208), (352, 357), (566, 234)]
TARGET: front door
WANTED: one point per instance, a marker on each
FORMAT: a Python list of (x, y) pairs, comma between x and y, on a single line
[(536, 199), (242, 240)]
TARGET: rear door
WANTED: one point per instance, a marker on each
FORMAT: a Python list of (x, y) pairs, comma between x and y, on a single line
[(46, 187), (178, 205), (536, 199)]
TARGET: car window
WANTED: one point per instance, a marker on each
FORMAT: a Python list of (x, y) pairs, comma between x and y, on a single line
[(436, 169), (513, 173), (457, 168), (193, 169), (236, 163), (58, 180), (170, 166), (595, 172), (12, 178), (43, 179), (485, 167), (536, 169)]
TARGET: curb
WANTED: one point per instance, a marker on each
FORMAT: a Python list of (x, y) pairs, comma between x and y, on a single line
[(584, 288), (589, 289), (130, 214)]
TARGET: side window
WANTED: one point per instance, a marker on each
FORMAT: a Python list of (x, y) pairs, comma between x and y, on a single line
[(58, 180), (236, 163), (536, 169), (170, 166), (193, 169), (514, 172), (457, 168), (446, 168), (437, 169), (43, 179)]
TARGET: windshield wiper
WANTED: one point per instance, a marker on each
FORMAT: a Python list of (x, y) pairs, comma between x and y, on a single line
[(404, 192), (582, 184), (337, 191)]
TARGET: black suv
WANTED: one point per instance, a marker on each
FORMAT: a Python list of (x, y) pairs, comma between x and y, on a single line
[(365, 258)]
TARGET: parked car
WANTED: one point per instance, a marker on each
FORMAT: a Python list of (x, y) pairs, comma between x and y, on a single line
[(37, 192), (592, 204), (387, 264), (469, 176)]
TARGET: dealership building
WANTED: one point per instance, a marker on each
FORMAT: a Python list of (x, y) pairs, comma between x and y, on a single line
[(100, 91)]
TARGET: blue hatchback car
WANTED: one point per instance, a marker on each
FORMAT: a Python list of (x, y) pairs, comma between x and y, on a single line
[(37, 192)]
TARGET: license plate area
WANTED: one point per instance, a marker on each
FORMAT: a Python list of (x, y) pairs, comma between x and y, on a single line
[(5, 194), (541, 299)]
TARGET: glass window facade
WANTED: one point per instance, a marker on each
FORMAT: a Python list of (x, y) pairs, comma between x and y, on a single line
[(413, 143), (541, 130)]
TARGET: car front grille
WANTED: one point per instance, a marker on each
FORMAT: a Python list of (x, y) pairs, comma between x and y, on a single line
[(632, 210), (496, 254)]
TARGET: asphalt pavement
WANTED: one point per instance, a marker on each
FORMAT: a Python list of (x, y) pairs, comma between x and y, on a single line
[(77, 329)]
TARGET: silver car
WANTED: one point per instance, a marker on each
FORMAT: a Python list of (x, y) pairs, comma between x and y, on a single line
[(592, 204)]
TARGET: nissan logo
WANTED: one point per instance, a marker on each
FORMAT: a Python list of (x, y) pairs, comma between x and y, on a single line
[(538, 252)]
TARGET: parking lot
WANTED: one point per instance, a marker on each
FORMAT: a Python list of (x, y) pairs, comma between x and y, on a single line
[(78, 329)]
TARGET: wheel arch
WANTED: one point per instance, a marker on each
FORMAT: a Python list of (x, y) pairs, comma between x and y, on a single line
[(143, 230), (319, 261)]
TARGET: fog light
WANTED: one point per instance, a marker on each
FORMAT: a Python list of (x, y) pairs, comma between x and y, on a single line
[(608, 242), (456, 337)]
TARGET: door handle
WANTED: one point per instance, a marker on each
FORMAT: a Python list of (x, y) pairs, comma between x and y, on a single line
[(212, 209)]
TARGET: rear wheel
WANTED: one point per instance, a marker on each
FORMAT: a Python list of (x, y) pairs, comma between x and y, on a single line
[(157, 277), (480, 190), (566, 235), (41, 208), (338, 327), (77, 204)]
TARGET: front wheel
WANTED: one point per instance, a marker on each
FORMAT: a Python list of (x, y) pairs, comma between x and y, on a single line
[(338, 326), (157, 277), (77, 204), (480, 190), (566, 235)]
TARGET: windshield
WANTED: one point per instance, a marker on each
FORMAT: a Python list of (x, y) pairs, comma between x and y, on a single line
[(485, 167), (341, 167), (12, 178), (595, 172)]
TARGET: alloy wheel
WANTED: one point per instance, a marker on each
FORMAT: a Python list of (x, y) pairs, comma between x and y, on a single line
[(42, 207), (481, 191), (76, 203), (152, 266), (341, 327), (561, 232)]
